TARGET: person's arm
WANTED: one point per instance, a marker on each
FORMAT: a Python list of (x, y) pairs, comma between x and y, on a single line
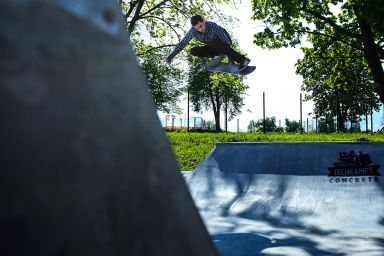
[(221, 33), (180, 46)]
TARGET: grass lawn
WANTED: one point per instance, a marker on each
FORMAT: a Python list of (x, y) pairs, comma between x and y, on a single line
[(192, 148)]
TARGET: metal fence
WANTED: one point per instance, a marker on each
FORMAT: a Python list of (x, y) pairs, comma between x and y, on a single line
[(280, 105)]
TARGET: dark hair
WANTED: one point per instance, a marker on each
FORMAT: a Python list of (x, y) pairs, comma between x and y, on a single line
[(195, 19)]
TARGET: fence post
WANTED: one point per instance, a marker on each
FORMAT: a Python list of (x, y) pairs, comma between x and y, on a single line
[(226, 109), (371, 114), (263, 112), (173, 122), (301, 113), (188, 109)]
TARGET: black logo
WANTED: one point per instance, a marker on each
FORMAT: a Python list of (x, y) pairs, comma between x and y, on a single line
[(351, 164)]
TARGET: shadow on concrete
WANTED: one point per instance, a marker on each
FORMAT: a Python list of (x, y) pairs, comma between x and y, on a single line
[(252, 244), (249, 244), (234, 240), (256, 203), (242, 185)]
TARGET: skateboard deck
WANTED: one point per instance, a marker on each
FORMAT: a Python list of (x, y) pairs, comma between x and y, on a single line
[(230, 69)]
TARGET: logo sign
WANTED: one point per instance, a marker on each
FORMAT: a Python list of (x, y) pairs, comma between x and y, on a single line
[(354, 168)]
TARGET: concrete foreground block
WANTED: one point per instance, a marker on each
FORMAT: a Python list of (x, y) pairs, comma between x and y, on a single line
[(85, 168)]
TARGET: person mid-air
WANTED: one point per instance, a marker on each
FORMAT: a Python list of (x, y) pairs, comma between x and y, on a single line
[(217, 43)]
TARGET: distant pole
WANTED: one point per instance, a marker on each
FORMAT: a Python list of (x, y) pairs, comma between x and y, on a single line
[(307, 125), (188, 109), (313, 128), (194, 123), (372, 113), (238, 125), (226, 112), (264, 112), (226, 109), (316, 123), (366, 123), (337, 112), (301, 113)]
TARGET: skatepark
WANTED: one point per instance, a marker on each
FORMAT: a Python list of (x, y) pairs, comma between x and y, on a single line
[(87, 170), (290, 199)]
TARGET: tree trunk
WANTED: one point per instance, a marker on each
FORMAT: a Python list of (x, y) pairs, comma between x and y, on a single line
[(371, 53), (216, 108), (139, 5), (217, 121), (217, 113)]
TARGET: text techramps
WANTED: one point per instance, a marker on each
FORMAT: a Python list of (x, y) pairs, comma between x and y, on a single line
[(296, 199)]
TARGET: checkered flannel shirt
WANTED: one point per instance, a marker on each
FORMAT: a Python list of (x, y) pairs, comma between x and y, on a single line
[(212, 32)]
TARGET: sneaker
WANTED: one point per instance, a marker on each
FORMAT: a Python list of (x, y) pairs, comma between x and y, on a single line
[(244, 64), (216, 60)]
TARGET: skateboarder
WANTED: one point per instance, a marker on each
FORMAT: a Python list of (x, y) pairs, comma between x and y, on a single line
[(217, 40)]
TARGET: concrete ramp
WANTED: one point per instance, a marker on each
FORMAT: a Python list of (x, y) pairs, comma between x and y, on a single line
[(293, 198)]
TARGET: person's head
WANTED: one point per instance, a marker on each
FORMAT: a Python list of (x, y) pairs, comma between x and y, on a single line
[(198, 23)]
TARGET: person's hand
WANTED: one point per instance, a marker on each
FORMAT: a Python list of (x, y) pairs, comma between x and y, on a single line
[(167, 60)]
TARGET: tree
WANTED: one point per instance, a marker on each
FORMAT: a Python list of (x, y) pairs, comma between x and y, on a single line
[(209, 91), (209, 125), (164, 82), (154, 24), (291, 126), (326, 125), (337, 80), (359, 25), (153, 27), (258, 126)]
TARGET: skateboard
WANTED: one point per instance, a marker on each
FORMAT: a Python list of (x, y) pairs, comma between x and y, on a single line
[(229, 68)]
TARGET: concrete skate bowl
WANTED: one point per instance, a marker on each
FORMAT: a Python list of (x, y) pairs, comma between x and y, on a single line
[(293, 198)]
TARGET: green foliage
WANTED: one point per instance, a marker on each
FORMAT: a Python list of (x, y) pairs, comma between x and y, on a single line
[(214, 91), (292, 126), (157, 24), (154, 27), (338, 81), (164, 82), (258, 126), (191, 149), (347, 33), (209, 125), (326, 125), (287, 21)]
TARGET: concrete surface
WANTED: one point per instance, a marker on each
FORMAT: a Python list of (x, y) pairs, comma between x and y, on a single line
[(293, 198), (85, 167)]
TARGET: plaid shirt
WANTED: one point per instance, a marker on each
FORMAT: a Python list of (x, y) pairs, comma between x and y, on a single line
[(212, 32)]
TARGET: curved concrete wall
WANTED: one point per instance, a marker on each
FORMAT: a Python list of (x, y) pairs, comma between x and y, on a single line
[(293, 198)]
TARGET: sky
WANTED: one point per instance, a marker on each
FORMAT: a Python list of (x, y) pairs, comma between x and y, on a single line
[(274, 75)]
